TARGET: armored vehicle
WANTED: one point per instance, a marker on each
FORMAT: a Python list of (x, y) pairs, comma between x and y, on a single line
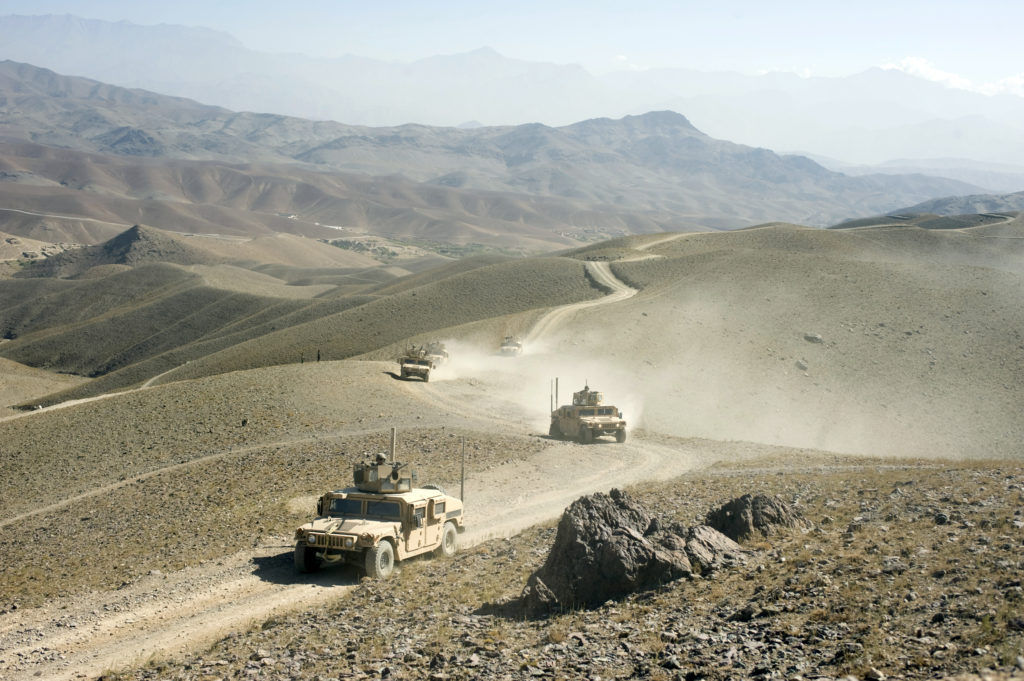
[(437, 352), (586, 418), (511, 347), (383, 519), (416, 363)]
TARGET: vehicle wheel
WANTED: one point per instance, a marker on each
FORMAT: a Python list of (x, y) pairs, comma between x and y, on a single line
[(586, 436), (449, 540), (380, 560), (620, 435), (305, 558), (554, 430), (426, 379)]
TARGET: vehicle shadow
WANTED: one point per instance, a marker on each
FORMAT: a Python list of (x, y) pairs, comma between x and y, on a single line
[(280, 569), (568, 440)]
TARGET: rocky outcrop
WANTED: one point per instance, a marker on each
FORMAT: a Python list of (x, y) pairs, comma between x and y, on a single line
[(608, 546), (750, 515)]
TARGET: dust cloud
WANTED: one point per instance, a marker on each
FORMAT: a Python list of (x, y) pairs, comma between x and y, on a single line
[(524, 384)]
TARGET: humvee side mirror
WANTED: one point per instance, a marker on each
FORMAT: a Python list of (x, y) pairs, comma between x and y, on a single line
[(419, 521)]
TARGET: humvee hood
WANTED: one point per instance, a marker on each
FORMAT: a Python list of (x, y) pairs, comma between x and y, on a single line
[(356, 526)]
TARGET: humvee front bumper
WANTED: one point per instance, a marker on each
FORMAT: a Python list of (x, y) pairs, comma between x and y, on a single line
[(328, 541)]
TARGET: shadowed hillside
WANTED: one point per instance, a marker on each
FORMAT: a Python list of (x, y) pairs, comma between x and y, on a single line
[(155, 318)]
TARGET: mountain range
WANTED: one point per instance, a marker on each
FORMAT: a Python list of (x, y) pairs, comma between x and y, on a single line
[(866, 118), (78, 147)]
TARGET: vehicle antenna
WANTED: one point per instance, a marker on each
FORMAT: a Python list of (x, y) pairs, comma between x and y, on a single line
[(394, 441)]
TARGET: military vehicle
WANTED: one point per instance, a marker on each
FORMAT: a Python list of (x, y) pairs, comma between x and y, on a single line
[(416, 363), (437, 352), (586, 418), (379, 522), (511, 347)]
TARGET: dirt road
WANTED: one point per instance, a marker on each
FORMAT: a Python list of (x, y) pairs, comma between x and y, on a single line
[(602, 273)]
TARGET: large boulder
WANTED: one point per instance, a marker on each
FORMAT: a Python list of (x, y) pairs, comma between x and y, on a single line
[(608, 546), (748, 515)]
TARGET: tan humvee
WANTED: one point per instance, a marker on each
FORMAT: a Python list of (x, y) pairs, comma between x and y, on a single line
[(586, 418), (511, 347), (437, 352), (380, 521), (416, 363)]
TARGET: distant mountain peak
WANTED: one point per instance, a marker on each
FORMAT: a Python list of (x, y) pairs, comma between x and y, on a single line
[(663, 118), (658, 122)]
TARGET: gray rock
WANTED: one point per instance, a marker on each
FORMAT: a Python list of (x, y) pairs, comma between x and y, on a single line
[(748, 515), (606, 547), (711, 550)]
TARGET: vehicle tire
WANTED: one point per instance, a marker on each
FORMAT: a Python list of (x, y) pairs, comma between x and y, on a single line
[(426, 379), (380, 560), (449, 540), (435, 487), (305, 558), (554, 430), (620, 435), (586, 435)]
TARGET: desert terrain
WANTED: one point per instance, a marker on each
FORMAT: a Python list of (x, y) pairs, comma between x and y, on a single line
[(168, 423)]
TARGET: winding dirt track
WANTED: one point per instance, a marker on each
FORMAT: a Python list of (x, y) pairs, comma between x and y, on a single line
[(602, 273), (167, 614)]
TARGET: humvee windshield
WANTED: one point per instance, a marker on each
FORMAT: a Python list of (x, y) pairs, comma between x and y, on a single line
[(599, 411), (346, 507), (383, 510)]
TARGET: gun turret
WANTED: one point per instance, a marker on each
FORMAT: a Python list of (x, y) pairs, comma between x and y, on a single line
[(587, 398), (380, 476)]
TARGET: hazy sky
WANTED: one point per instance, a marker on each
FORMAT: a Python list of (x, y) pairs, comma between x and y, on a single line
[(975, 44)]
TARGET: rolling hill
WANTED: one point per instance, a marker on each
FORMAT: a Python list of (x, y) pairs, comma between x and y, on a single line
[(889, 323)]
